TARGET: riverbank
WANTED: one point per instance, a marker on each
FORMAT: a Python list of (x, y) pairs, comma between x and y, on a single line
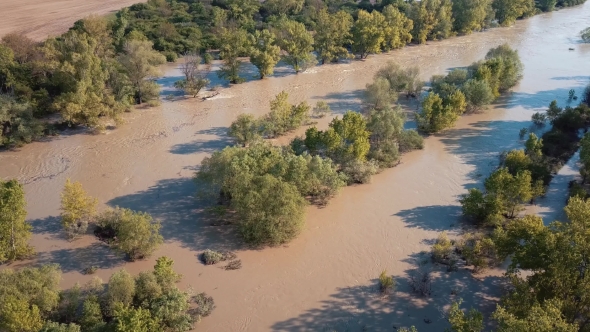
[(325, 279)]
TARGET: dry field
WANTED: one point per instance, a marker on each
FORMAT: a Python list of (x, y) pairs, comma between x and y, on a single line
[(41, 18)]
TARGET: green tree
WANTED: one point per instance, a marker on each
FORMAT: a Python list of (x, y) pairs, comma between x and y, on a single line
[(171, 309), (15, 232), (398, 29), (297, 42), (91, 316), (332, 34), (546, 318), (472, 15), (512, 191), (585, 34), (245, 130), (120, 290), (367, 33), (265, 54), (507, 11), (233, 44), (17, 122), (165, 275), (136, 233), (270, 211), (432, 20), (77, 208), (534, 146), (472, 321), (129, 319), (478, 94), (194, 79), (242, 12), (18, 315), (57, 327), (284, 117), (379, 94), (140, 62), (546, 5), (437, 113)]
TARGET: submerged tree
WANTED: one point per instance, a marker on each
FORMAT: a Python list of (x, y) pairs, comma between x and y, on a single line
[(194, 79), (367, 33), (297, 42), (233, 44), (77, 208), (332, 35), (15, 232), (141, 64), (265, 54)]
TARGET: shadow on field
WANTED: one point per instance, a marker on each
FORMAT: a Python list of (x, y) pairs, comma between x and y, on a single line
[(216, 139), (183, 217), (363, 308)]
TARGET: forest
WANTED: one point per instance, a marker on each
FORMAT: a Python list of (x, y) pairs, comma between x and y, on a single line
[(102, 67)]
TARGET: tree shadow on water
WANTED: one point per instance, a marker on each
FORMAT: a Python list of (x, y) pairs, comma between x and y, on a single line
[(184, 218), (481, 145), (50, 225), (217, 140), (340, 102), (77, 259), (436, 217), (364, 308)]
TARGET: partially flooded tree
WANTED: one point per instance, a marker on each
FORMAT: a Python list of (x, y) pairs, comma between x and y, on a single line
[(398, 30), (297, 42), (265, 54), (245, 130), (367, 33), (195, 79), (141, 64), (77, 209), (472, 15), (233, 44), (332, 35), (15, 232)]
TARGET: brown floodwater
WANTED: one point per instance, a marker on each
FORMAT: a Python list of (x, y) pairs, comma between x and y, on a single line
[(324, 280)]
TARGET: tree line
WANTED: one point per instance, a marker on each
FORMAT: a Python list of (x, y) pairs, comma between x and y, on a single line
[(31, 301), (553, 294)]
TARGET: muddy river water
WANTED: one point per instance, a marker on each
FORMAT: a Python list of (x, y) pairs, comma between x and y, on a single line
[(324, 280)]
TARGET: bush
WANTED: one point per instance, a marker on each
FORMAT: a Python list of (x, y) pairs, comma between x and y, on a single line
[(440, 113), (245, 130), (478, 94), (386, 283), (321, 109), (442, 249), (410, 140), (133, 233), (234, 265), (78, 209), (479, 251), (585, 34), (170, 56), (421, 282), (205, 305), (210, 257), (207, 58), (284, 117), (358, 171)]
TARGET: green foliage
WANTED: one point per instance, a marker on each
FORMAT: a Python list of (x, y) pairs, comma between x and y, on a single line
[(442, 249), (77, 209), (472, 15), (264, 54), (398, 28), (507, 11), (15, 232), (129, 319), (17, 315), (478, 94), (17, 123), (120, 291), (332, 35), (346, 139), (367, 33), (400, 80), (410, 140), (194, 79), (297, 42), (386, 283), (472, 321), (135, 233), (211, 257), (233, 44), (478, 250), (545, 318), (321, 109), (270, 211), (585, 34), (379, 94), (245, 130), (438, 113), (140, 62), (205, 305), (359, 171), (91, 316), (284, 117), (432, 20), (534, 146), (57, 327)]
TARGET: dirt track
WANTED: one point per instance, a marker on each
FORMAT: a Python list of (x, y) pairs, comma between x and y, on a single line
[(39, 19)]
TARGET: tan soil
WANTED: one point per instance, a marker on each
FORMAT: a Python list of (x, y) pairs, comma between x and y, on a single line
[(326, 279), (39, 19)]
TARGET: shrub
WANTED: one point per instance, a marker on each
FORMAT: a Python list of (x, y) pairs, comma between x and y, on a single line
[(420, 282), (133, 233), (245, 130), (207, 58), (120, 290), (585, 34), (210, 257), (410, 140), (360, 171), (170, 56), (440, 113), (478, 250), (234, 265), (204, 306), (284, 117), (522, 132), (321, 109), (442, 249), (478, 94), (91, 269), (386, 283), (77, 208)]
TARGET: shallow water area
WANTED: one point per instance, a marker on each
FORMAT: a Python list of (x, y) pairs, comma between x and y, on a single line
[(326, 278)]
